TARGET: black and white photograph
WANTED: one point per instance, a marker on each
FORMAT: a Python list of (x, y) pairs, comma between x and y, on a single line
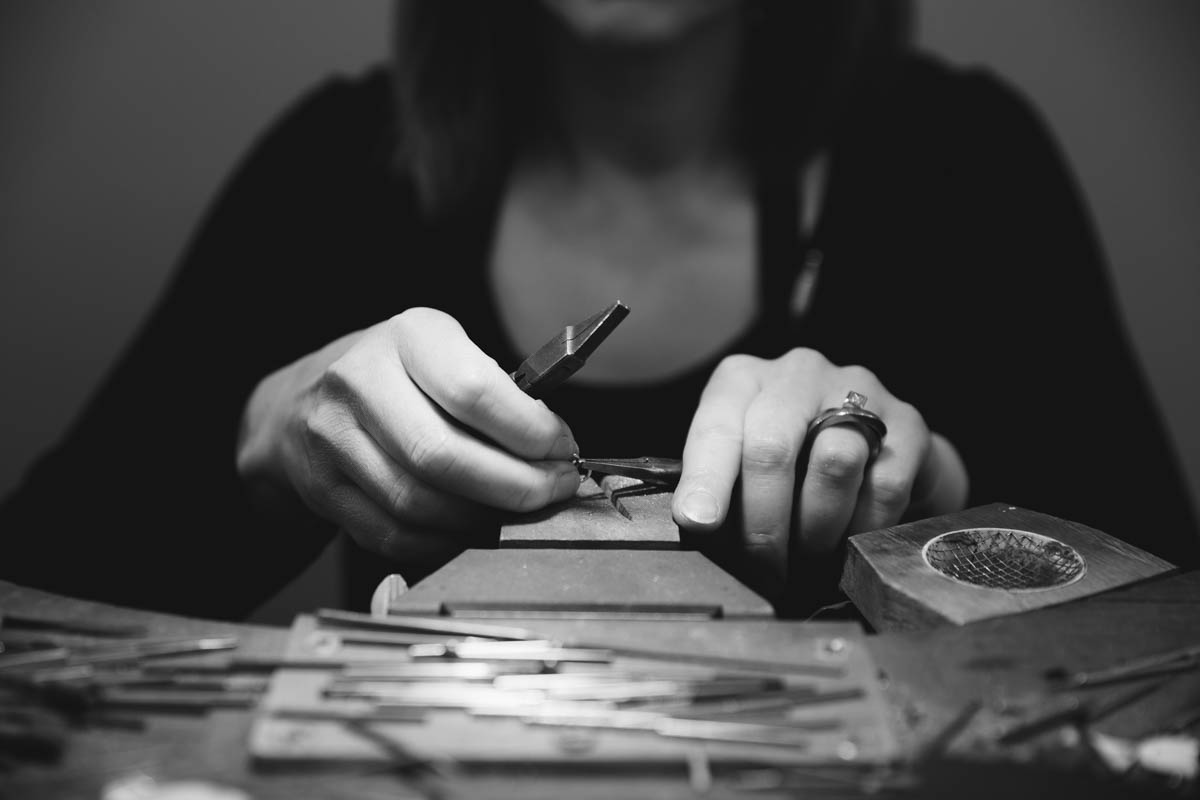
[(599, 399)]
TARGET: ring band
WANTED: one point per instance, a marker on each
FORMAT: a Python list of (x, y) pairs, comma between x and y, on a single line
[(852, 413)]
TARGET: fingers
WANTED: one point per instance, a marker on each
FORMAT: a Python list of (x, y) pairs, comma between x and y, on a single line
[(775, 426), (426, 443), (428, 446), (751, 427), (712, 455), (407, 434), (476, 392), (832, 479), (888, 487), (836, 471), (842, 493)]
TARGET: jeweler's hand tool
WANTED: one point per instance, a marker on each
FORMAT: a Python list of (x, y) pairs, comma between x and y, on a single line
[(662, 472), (562, 356), (656, 475)]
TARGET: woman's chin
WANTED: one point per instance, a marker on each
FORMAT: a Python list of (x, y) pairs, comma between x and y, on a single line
[(635, 22)]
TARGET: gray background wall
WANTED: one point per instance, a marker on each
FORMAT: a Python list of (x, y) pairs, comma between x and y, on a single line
[(118, 120)]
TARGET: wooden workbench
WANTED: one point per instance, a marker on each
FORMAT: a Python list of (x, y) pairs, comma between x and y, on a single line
[(929, 675)]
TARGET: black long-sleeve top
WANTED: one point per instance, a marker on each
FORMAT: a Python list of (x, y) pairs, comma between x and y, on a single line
[(959, 265)]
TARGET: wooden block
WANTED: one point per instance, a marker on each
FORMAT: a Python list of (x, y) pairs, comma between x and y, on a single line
[(596, 583), (589, 520), (889, 576)]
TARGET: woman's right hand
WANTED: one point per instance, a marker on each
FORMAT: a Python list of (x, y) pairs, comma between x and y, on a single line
[(404, 435)]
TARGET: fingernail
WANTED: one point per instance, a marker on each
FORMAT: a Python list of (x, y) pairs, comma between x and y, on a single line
[(564, 448), (700, 506)]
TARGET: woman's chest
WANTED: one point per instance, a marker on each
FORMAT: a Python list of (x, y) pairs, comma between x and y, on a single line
[(683, 261)]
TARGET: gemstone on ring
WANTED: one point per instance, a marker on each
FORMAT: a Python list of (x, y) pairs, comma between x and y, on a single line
[(853, 414)]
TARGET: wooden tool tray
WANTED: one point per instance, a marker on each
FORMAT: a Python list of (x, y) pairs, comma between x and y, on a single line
[(828, 658)]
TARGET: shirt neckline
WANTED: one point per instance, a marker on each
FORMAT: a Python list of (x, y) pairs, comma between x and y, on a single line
[(779, 253)]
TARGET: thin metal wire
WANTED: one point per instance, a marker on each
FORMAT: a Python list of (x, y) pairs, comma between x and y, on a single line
[(999, 558)]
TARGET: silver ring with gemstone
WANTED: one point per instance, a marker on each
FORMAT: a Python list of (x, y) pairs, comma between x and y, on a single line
[(852, 413)]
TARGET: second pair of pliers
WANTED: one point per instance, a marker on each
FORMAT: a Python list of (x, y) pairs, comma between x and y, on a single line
[(656, 475), (662, 473)]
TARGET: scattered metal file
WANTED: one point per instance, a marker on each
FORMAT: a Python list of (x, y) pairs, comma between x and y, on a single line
[(31, 658), (1071, 710), (554, 680), (766, 701), (325, 713), (1182, 660), (562, 356), (423, 776), (936, 746), (445, 627), (730, 663), (328, 642), (498, 651), (608, 610), (117, 653), (441, 695), (700, 730), (439, 670), (81, 685), (68, 625)]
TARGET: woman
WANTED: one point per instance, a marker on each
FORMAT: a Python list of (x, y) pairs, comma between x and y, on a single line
[(777, 189)]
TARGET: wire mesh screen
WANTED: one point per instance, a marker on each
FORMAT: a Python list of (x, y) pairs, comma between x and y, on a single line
[(999, 558)]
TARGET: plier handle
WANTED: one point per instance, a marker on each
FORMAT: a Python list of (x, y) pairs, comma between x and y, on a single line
[(562, 356)]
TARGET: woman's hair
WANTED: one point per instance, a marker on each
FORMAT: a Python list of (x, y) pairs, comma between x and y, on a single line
[(467, 78)]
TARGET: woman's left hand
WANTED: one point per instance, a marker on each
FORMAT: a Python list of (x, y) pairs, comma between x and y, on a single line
[(751, 424)]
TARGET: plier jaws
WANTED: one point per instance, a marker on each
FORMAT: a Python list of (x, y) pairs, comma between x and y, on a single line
[(648, 469)]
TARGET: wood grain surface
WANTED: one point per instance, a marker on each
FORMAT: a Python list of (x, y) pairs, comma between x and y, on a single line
[(895, 588)]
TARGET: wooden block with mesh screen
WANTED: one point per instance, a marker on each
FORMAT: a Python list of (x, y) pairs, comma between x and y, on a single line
[(984, 562)]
